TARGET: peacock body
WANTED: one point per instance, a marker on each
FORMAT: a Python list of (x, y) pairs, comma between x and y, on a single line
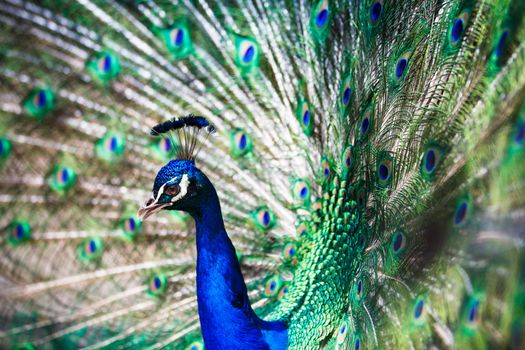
[(362, 185)]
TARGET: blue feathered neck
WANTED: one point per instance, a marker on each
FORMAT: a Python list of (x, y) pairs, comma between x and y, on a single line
[(227, 319)]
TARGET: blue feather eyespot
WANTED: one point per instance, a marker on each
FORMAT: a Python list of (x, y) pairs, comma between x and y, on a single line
[(104, 63), (401, 67), (39, 102), (359, 288), (458, 28), (103, 67), (301, 192), (165, 144), (62, 179), (385, 170), (473, 312), (419, 309), (5, 148), (325, 169), (398, 243), (304, 114), (322, 14), (90, 249), (366, 122), (196, 345), (430, 160), (346, 92), (375, 11), (519, 134), (502, 41), (357, 344), (462, 211), (289, 250), (342, 332), (247, 53), (240, 143), (40, 99), (110, 147), (19, 232), (177, 37), (283, 291), (130, 226), (264, 218), (302, 229), (157, 285), (272, 286), (163, 148), (347, 159)]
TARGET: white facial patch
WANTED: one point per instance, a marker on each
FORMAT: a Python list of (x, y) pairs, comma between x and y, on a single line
[(183, 188)]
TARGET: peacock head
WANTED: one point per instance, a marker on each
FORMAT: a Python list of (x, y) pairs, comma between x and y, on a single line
[(180, 185)]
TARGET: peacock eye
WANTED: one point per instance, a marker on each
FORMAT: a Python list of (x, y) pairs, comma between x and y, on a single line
[(172, 190)]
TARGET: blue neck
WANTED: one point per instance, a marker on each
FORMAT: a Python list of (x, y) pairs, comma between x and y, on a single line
[(227, 319)]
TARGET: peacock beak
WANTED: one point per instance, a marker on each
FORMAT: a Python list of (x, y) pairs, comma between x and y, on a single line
[(150, 208)]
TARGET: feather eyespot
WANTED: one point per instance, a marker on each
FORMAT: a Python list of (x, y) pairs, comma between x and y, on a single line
[(20, 231), (419, 309), (322, 14), (301, 192), (359, 289), (302, 229), (341, 332), (346, 95), (473, 312), (40, 98), (165, 144), (347, 159), (325, 169), (519, 133), (398, 243), (502, 43), (366, 122), (385, 170), (39, 102), (90, 249), (240, 143), (357, 344), (282, 292), (104, 63), (157, 285), (130, 226), (272, 286), (264, 218), (430, 160), (5, 148), (375, 11), (177, 37), (289, 250), (458, 28), (305, 115), (247, 51), (461, 213), (62, 179)]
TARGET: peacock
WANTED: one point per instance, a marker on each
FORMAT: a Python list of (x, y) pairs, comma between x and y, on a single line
[(235, 174)]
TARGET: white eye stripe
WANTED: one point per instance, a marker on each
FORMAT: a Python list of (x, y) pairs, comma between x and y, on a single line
[(183, 188)]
